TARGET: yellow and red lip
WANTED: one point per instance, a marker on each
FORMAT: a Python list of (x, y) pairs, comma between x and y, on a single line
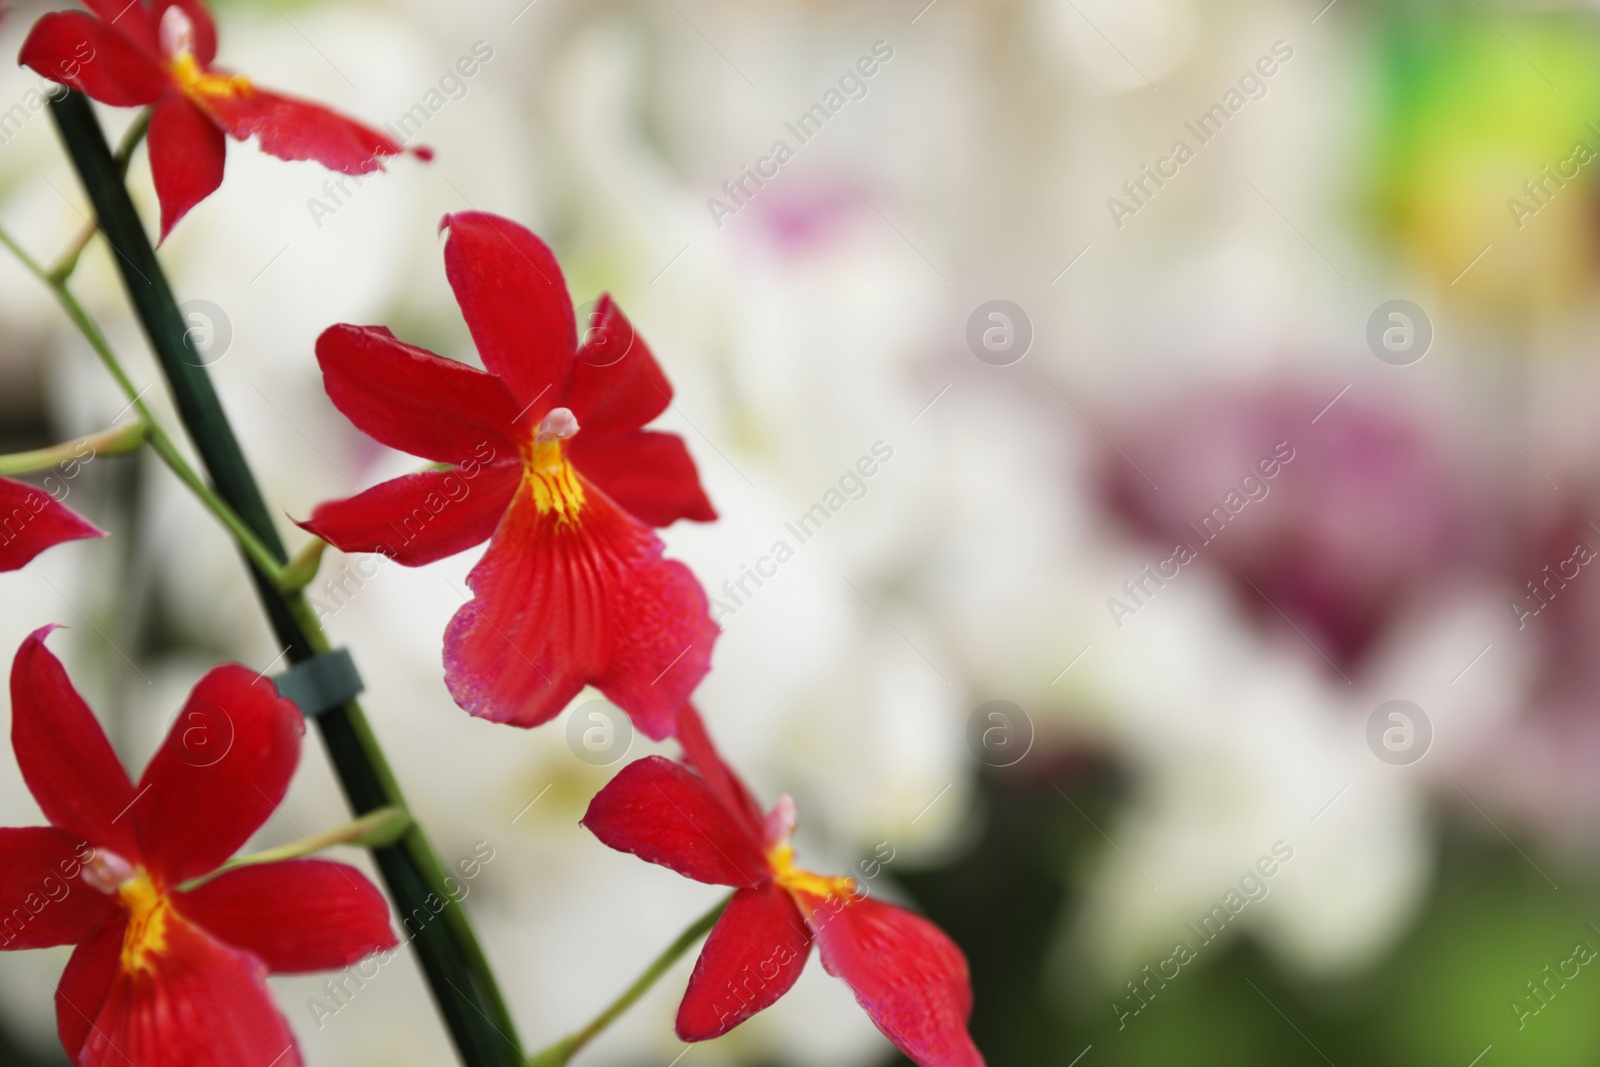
[(134, 54), (545, 455), (163, 974), (697, 818)]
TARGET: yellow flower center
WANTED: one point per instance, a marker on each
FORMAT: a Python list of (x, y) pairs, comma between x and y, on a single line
[(792, 878), (199, 84), (551, 479), (176, 38), (148, 914)]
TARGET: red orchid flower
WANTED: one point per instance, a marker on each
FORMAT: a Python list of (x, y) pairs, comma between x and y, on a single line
[(166, 972), (548, 460), (31, 521), (130, 53), (700, 820)]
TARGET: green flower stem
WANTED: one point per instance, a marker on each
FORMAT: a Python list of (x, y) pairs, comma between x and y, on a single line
[(67, 262), (302, 569), (116, 441), (562, 1051), (260, 555), (376, 829), (463, 986), (163, 445), (420, 849)]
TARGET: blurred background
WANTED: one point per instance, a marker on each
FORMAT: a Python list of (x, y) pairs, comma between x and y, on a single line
[(1210, 647)]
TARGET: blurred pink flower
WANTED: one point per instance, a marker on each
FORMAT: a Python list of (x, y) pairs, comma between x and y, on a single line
[(1543, 763), (1338, 516)]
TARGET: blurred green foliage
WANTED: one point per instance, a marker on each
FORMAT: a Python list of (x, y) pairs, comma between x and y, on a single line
[(1440, 998), (1470, 105)]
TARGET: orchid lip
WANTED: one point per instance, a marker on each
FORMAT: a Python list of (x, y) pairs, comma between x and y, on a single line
[(149, 917)]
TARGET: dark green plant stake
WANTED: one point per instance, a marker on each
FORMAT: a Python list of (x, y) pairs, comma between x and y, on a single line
[(450, 956)]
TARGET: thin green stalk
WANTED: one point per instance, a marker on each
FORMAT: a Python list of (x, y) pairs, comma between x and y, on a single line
[(27, 260), (116, 441), (302, 569), (67, 261), (462, 984), (559, 1053), (376, 829), (160, 443)]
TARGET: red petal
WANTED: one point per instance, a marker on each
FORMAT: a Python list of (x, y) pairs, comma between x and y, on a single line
[(296, 917), (703, 756), (198, 1003), (663, 646), (222, 770), (421, 517), (31, 521), (412, 400), (663, 813), (86, 983), (186, 156), (908, 976), (563, 603), (616, 384), (80, 51), (754, 956), (64, 755), (515, 301), (648, 473), (297, 129), (43, 902)]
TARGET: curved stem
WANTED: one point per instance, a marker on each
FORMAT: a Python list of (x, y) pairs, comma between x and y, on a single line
[(67, 261), (301, 571), (116, 441), (376, 829), (163, 445), (26, 260), (160, 442), (563, 1050)]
